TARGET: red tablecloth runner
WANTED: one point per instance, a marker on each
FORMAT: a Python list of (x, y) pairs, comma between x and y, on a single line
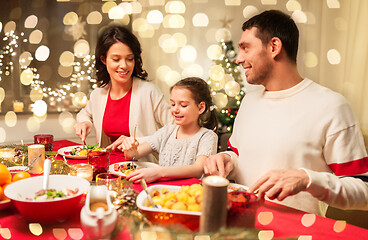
[(282, 221)]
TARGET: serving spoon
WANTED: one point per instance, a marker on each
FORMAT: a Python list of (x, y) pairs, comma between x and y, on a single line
[(46, 174), (144, 185)]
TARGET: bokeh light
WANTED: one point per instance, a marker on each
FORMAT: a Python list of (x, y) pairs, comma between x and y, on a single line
[(172, 77), (31, 21), (232, 88), (26, 77), (10, 119), (94, 17), (265, 235), (35, 37), (333, 3), (39, 108), (223, 34), (220, 100), (155, 17), (188, 53), (194, 70), (299, 16), (66, 59), (136, 7), (162, 71), (75, 233), (293, 5), (2, 136), (214, 52), (65, 71), (216, 72), (265, 218), (42, 53), (333, 56), (200, 20), (232, 2), (269, 2), (250, 11), (81, 48), (36, 94), (310, 60), (173, 21), (10, 27), (2, 94), (79, 99), (35, 229), (116, 13), (70, 18), (107, 6), (59, 233), (175, 7), (25, 59), (339, 226), (308, 219)]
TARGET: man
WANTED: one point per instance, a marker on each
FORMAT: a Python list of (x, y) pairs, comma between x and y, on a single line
[(295, 141)]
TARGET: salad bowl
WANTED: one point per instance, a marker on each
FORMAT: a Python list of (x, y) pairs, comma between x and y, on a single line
[(22, 194)]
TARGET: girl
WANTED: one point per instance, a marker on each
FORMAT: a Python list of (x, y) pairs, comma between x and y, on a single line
[(182, 146), (123, 99)]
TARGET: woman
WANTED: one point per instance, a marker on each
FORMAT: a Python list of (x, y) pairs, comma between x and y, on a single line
[(124, 100)]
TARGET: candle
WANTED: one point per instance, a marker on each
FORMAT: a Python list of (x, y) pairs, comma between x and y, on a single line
[(36, 158), (83, 170), (214, 204), (7, 153), (18, 106)]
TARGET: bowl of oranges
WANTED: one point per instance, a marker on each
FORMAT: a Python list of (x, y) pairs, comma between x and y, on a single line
[(7, 176), (180, 205)]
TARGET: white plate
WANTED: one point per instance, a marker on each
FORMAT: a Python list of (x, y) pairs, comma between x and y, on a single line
[(138, 164), (237, 187), (64, 152)]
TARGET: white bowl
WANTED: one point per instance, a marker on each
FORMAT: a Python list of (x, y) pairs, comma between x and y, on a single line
[(47, 211)]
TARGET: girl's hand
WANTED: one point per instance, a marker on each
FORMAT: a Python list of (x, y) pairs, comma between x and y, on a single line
[(149, 174), (83, 129), (129, 146)]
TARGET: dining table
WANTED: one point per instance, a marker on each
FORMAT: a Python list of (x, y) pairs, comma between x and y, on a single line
[(271, 220)]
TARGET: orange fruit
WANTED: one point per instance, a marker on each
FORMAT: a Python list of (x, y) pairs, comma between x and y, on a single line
[(2, 190), (5, 176), (21, 175)]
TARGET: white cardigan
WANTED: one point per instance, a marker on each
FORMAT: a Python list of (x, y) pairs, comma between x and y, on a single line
[(148, 110)]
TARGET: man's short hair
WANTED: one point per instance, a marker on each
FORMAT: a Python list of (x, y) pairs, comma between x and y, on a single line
[(274, 23)]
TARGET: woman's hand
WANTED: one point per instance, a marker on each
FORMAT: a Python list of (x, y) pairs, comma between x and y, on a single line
[(83, 129), (149, 174), (117, 143), (129, 146)]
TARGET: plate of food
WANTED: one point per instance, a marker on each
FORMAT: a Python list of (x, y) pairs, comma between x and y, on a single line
[(237, 187), (77, 151), (124, 168)]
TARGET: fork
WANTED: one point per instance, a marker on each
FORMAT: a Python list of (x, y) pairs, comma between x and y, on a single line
[(144, 185)]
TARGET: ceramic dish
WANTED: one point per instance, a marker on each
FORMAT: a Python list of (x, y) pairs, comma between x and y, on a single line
[(164, 216), (65, 151), (5, 204), (138, 164)]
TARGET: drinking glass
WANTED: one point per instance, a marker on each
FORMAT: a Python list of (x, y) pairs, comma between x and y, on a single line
[(99, 160), (111, 181), (45, 139)]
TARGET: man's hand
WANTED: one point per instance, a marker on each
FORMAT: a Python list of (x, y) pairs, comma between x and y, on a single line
[(117, 143), (218, 164), (279, 184), (83, 129)]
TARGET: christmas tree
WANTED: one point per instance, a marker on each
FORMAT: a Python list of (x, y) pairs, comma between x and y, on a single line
[(225, 81)]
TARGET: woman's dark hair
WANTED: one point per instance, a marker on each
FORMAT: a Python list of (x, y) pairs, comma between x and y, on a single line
[(200, 93), (109, 36), (274, 23)]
